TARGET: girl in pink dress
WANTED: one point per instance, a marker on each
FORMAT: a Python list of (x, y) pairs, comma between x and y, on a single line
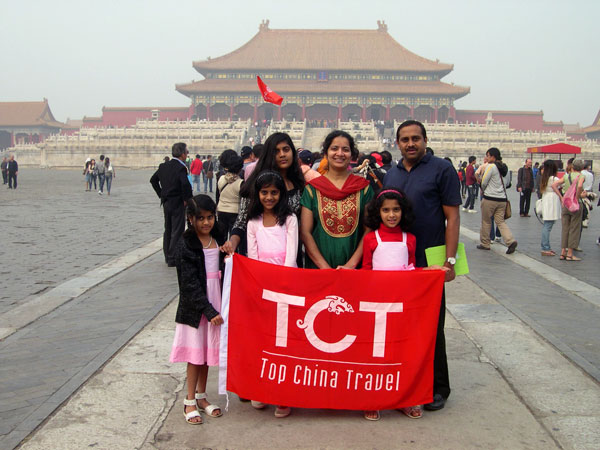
[(390, 247), (272, 233), (196, 342)]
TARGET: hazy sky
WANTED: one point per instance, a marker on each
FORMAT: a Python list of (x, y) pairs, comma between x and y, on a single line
[(519, 55)]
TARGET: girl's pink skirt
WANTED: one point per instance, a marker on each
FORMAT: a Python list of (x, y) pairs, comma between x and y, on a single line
[(200, 345)]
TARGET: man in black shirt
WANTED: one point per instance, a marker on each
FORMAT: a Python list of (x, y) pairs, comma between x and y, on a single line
[(208, 168), (13, 171), (525, 186), (171, 184), (432, 186)]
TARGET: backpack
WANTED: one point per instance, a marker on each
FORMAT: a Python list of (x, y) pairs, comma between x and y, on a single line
[(570, 198)]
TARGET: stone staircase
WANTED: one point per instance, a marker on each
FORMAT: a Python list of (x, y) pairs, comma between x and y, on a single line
[(313, 138)]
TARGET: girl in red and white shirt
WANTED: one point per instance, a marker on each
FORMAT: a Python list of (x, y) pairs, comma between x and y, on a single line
[(390, 247)]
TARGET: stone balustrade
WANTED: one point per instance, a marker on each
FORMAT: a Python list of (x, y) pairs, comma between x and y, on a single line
[(365, 135), (148, 141), (295, 129)]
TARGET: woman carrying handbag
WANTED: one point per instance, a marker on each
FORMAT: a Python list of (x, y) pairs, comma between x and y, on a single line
[(495, 203)]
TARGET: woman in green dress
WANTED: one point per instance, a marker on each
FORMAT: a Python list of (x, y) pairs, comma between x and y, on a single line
[(331, 223)]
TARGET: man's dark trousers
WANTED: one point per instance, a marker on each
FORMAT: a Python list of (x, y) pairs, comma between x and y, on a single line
[(12, 180), (174, 211), (524, 201), (472, 195), (101, 178), (441, 379)]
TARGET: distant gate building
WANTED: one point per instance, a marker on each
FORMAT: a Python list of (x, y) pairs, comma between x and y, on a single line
[(324, 74)]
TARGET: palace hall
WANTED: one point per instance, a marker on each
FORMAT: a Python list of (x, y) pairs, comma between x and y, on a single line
[(323, 75)]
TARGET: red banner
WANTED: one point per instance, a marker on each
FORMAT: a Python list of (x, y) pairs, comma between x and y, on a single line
[(341, 339), (267, 93)]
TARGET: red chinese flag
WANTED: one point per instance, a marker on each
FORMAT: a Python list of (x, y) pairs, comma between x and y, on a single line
[(341, 339), (267, 93)]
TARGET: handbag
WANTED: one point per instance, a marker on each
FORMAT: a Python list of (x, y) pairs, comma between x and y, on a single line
[(570, 198), (508, 209), (538, 208)]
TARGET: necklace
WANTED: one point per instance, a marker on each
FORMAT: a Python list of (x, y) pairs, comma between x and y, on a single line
[(209, 242)]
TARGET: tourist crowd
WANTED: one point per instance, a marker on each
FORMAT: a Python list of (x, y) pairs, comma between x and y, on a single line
[(336, 209), (493, 178), (97, 174)]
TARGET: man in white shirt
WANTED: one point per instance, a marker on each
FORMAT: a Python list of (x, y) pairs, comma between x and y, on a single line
[(589, 177), (588, 186)]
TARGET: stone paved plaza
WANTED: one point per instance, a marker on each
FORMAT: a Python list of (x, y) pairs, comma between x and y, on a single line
[(511, 311), (53, 230)]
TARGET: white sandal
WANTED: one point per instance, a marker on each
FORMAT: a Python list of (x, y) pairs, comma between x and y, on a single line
[(210, 408), (189, 416)]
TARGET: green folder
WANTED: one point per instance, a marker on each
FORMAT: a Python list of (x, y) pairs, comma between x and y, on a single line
[(436, 256)]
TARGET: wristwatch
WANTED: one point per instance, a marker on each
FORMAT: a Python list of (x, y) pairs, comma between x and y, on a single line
[(451, 260)]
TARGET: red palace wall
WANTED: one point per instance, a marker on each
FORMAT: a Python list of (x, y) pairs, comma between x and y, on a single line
[(91, 123), (576, 136), (517, 121), (553, 127), (128, 117)]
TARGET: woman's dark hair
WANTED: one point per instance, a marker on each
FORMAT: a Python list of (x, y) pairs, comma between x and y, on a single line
[(549, 169), (267, 162), (373, 216), (282, 209), (107, 161), (203, 202), (494, 152), (231, 161), (339, 133)]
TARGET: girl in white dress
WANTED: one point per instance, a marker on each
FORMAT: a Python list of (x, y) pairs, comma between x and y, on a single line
[(272, 233), (551, 207)]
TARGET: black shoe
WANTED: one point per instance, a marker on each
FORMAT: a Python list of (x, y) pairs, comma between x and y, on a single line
[(481, 247), (438, 403), (511, 248)]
